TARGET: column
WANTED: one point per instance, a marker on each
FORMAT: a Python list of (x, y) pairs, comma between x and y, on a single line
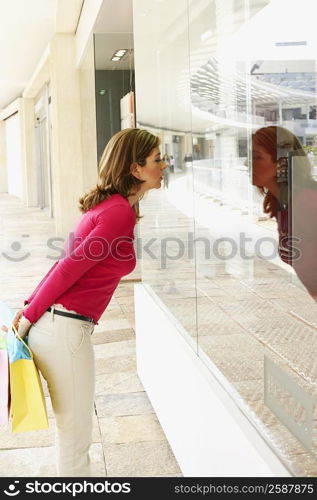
[(28, 155), (67, 163)]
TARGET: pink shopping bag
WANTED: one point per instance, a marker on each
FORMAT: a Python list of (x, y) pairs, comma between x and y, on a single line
[(4, 384), (6, 316)]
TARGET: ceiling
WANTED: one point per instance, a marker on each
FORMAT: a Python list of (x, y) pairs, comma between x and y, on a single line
[(106, 45), (28, 26), (26, 29), (115, 16), (167, 55), (114, 30)]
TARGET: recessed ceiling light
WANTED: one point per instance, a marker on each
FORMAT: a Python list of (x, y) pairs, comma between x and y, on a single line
[(114, 58), (120, 52)]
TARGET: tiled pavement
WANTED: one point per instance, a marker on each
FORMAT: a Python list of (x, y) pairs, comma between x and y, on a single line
[(128, 439)]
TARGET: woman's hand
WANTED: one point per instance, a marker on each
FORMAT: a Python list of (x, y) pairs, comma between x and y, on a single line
[(24, 326)]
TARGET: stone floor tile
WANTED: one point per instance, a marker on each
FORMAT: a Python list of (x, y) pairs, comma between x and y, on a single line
[(28, 462), (148, 458), (110, 350), (126, 304), (115, 364), (32, 439), (130, 317), (113, 336), (128, 384), (96, 434), (112, 405), (116, 383), (111, 315), (112, 306), (106, 325), (40, 462), (133, 428), (126, 301), (125, 289), (98, 468), (38, 439)]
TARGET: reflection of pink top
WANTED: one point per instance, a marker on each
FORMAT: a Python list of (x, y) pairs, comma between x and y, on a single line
[(99, 253), (304, 229)]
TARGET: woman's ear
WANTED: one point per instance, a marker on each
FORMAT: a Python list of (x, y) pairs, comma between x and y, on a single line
[(135, 170)]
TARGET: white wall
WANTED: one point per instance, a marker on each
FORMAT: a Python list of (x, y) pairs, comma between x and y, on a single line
[(14, 165)]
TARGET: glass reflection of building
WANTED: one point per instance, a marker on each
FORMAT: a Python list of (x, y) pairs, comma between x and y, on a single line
[(229, 324)]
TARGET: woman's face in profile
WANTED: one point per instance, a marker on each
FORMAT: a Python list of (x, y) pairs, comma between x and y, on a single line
[(263, 166)]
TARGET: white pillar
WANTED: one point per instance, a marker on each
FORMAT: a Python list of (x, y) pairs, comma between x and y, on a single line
[(88, 120), (67, 163), (13, 138), (28, 156)]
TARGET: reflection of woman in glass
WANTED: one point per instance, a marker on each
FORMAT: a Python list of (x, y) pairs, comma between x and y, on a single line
[(282, 172)]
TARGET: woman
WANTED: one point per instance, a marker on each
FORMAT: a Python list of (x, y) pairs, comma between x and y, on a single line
[(60, 314), (282, 172)]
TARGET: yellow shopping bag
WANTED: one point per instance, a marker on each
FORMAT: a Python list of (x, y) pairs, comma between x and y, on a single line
[(28, 408)]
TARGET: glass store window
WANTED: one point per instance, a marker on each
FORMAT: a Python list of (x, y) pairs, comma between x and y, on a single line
[(230, 87)]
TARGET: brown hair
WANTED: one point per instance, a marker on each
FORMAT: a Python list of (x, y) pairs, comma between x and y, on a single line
[(131, 145), (278, 141)]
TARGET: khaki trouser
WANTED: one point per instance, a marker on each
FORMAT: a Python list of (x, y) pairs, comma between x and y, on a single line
[(64, 354)]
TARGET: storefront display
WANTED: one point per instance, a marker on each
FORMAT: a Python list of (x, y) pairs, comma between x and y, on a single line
[(228, 245)]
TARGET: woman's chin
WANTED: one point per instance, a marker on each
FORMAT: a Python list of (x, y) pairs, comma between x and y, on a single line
[(255, 182)]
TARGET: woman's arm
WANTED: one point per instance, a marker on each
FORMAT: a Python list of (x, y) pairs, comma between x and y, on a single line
[(115, 222), (31, 297)]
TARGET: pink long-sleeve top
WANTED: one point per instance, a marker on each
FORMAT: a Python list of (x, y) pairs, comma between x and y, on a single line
[(97, 254)]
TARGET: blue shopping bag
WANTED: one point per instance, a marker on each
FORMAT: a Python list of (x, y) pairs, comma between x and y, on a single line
[(28, 408), (16, 349)]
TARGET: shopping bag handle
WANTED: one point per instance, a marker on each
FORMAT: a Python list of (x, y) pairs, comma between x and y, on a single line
[(21, 340)]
